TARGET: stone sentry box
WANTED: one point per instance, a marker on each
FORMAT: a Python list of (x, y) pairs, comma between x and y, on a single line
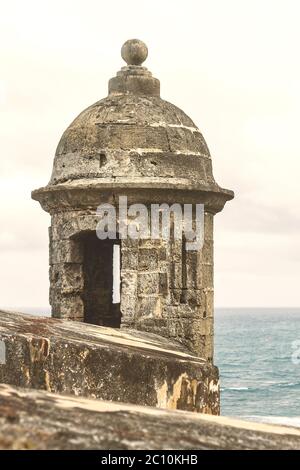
[(132, 144), (164, 289)]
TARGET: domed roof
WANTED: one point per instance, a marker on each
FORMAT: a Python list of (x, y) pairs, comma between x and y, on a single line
[(132, 132), (132, 137)]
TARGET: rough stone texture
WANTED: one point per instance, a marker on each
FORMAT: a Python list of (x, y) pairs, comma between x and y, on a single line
[(166, 294), (137, 136), (40, 420), (107, 363), (160, 291), (133, 143)]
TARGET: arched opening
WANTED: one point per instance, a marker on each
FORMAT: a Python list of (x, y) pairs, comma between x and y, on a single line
[(101, 270)]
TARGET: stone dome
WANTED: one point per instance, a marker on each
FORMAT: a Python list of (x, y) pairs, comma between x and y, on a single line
[(132, 135), (132, 139)]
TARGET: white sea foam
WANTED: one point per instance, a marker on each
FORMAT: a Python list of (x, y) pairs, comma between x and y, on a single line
[(293, 421), (234, 388)]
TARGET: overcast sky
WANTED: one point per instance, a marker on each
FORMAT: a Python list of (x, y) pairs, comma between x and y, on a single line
[(232, 66)]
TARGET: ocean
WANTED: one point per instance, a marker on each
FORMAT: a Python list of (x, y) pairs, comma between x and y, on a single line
[(258, 354)]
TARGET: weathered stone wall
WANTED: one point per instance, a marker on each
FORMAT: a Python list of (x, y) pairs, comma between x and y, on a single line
[(165, 289), (66, 262), (106, 363), (32, 419), (169, 291)]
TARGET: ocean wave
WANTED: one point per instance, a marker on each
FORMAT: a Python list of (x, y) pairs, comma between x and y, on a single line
[(234, 388), (293, 421), (289, 385)]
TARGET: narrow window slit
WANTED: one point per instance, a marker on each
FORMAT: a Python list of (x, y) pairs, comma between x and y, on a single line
[(183, 270), (116, 294), (102, 159)]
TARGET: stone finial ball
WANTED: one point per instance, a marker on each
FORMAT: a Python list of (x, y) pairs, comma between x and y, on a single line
[(134, 52)]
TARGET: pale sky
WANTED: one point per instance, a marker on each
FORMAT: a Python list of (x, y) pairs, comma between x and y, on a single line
[(232, 66)]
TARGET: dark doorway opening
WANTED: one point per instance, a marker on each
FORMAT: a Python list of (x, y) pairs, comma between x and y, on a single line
[(101, 269)]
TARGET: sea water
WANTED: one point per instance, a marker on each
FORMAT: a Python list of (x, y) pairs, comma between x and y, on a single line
[(258, 355)]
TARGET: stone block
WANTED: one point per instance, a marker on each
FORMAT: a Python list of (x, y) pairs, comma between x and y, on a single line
[(148, 283), (193, 270), (162, 254), (148, 259), (163, 283), (129, 243), (209, 302), (65, 251), (149, 307), (69, 307), (132, 137), (208, 226), (149, 243), (208, 251), (175, 296), (67, 278), (208, 276), (175, 275), (128, 295), (194, 297), (182, 139), (70, 224), (190, 331), (129, 259)]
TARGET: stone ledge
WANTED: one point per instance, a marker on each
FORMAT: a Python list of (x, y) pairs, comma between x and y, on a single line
[(32, 419), (111, 364)]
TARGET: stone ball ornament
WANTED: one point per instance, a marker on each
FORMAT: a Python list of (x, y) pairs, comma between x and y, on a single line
[(134, 52)]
